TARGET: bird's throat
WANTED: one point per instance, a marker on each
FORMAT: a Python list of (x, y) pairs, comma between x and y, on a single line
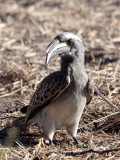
[(66, 65)]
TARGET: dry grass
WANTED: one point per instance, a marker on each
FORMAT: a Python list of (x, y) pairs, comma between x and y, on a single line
[(26, 28)]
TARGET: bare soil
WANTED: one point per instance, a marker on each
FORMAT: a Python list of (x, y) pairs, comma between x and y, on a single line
[(26, 28)]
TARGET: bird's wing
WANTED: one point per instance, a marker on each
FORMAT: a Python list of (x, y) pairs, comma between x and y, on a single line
[(90, 91), (49, 89)]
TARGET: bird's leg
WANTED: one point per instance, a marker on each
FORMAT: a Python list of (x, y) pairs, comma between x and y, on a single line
[(48, 142), (76, 140), (48, 134), (77, 143), (72, 130)]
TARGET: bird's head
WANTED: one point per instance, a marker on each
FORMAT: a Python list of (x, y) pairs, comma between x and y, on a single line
[(65, 44)]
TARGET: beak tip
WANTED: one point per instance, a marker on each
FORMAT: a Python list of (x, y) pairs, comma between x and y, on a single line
[(46, 63), (46, 66)]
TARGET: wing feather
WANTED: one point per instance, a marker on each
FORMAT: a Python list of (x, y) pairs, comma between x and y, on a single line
[(48, 90), (90, 91)]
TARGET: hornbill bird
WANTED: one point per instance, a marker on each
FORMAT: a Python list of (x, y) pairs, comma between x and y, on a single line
[(61, 96)]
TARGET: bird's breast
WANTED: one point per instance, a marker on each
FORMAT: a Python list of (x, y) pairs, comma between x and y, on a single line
[(64, 110)]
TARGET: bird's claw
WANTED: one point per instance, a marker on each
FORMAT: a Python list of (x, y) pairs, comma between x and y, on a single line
[(48, 142), (77, 143)]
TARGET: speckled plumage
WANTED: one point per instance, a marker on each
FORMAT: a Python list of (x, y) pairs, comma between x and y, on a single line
[(49, 89)]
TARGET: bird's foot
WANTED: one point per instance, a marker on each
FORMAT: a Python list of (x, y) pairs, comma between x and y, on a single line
[(48, 142), (77, 143)]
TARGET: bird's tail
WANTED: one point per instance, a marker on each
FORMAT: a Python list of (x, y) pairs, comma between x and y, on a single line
[(14, 130)]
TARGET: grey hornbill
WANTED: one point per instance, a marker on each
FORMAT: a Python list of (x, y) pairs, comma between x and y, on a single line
[(61, 96)]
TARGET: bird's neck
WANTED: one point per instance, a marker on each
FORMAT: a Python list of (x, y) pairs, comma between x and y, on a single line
[(66, 65), (72, 66)]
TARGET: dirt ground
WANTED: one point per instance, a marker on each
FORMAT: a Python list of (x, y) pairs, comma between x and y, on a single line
[(26, 28)]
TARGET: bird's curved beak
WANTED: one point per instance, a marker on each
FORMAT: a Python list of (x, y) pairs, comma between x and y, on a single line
[(55, 48)]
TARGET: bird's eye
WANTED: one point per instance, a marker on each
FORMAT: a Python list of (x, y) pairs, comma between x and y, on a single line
[(69, 41)]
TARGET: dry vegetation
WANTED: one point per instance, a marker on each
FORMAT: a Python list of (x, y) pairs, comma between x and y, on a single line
[(26, 28)]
